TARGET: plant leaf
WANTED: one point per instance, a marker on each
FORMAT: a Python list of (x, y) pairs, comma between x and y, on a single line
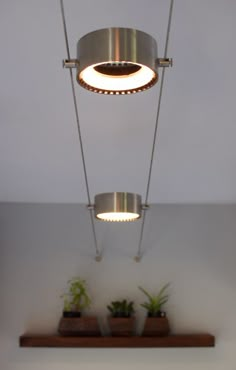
[(145, 292)]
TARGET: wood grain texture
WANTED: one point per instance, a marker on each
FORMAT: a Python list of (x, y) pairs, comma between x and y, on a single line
[(181, 340), (121, 326), (79, 326), (156, 327)]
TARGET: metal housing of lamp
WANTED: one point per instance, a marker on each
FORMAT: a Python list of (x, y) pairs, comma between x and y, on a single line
[(117, 61), (117, 206)]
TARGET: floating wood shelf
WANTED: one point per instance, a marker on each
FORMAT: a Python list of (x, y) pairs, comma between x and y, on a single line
[(181, 340)]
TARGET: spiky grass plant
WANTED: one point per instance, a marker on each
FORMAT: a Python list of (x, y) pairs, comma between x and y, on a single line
[(155, 302)]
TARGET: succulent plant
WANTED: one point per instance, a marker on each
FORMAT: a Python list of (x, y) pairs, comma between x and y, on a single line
[(121, 308)]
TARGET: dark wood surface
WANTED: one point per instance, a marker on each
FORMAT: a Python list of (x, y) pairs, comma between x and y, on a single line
[(79, 326), (156, 326), (121, 326), (181, 340)]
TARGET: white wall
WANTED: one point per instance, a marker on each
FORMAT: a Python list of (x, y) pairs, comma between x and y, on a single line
[(191, 246)]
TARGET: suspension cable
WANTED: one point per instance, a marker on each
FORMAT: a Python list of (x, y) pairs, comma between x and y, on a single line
[(79, 129), (138, 256)]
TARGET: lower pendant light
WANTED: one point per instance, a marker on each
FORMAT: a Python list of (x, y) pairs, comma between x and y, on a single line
[(117, 206), (117, 61)]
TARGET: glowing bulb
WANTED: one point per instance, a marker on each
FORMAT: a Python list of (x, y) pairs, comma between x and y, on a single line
[(118, 216), (142, 77)]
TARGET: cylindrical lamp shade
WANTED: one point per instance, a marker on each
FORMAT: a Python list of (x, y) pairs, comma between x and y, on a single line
[(117, 61), (117, 206)]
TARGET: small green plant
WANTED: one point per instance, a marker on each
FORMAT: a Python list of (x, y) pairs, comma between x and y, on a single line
[(155, 302), (121, 308), (77, 298)]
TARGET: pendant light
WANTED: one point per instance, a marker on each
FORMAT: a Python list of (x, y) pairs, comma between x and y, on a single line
[(117, 206), (117, 61)]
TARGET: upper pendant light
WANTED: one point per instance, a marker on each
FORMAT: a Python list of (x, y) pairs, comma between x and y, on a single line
[(117, 206), (117, 61)]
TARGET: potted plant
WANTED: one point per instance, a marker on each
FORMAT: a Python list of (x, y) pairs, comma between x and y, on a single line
[(156, 323), (121, 321), (76, 300)]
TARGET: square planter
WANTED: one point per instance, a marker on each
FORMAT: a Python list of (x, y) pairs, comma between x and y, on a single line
[(121, 326), (156, 327), (79, 326)]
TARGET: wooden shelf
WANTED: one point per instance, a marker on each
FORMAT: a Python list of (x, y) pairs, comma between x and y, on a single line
[(181, 340)]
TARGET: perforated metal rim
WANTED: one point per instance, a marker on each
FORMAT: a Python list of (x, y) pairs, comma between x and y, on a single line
[(109, 219), (117, 92)]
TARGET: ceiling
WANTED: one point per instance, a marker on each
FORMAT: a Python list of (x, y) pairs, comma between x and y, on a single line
[(195, 154)]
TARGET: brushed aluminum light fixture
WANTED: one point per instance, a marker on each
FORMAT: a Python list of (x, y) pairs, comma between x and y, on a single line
[(117, 61), (117, 206)]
